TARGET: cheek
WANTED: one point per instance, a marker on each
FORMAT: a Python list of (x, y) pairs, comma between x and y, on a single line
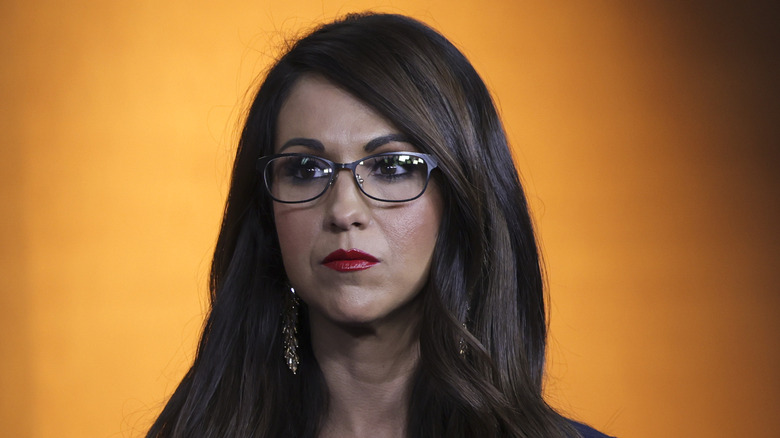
[(294, 231), (413, 234)]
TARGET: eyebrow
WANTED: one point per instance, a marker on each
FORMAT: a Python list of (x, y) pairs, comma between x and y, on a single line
[(316, 145), (379, 141), (307, 142)]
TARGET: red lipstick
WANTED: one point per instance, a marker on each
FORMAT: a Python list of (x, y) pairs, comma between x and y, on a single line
[(349, 260)]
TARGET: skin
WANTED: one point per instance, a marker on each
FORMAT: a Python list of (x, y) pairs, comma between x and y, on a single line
[(363, 323)]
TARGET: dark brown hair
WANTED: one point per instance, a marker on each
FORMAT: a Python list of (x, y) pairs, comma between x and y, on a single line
[(485, 286)]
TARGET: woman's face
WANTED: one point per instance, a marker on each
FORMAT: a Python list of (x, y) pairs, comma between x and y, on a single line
[(394, 241)]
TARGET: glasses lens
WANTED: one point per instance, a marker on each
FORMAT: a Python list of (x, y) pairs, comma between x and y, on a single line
[(297, 178), (393, 177)]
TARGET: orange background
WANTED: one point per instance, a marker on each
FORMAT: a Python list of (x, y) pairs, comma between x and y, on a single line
[(647, 135)]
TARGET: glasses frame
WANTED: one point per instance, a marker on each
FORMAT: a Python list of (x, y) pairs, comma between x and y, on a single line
[(262, 165)]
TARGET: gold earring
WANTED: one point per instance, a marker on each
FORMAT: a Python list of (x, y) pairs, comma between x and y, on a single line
[(290, 331)]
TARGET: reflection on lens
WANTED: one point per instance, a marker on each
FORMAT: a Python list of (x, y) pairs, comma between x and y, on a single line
[(391, 177), (394, 177), (298, 178)]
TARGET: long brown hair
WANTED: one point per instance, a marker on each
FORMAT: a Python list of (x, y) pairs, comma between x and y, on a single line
[(485, 292)]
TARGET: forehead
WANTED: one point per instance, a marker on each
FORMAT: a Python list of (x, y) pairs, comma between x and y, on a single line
[(318, 109)]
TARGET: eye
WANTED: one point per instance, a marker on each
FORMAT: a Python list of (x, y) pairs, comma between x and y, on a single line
[(302, 169), (390, 166)]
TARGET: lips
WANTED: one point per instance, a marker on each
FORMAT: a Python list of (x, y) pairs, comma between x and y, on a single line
[(349, 260)]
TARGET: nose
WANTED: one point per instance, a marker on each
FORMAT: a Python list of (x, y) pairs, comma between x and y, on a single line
[(346, 205)]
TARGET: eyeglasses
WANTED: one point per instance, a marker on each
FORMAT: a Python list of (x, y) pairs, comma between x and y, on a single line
[(388, 177)]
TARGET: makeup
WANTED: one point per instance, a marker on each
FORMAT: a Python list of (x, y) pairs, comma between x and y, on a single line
[(349, 260)]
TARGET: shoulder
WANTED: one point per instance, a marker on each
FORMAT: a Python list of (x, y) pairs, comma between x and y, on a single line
[(587, 431)]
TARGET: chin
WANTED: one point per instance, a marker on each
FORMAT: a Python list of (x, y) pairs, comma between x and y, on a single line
[(371, 315), (357, 317)]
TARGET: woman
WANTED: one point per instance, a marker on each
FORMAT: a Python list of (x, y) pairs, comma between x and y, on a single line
[(376, 273)]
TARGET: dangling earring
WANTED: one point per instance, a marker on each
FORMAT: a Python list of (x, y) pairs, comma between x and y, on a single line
[(290, 331)]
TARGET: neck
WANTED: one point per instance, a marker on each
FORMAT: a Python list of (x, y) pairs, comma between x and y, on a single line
[(368, 371)]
